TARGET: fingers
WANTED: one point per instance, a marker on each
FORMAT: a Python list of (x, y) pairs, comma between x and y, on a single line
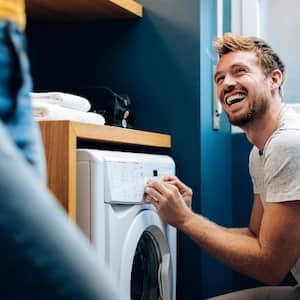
[(158, 185), (151, 199), (167, 200), (175, 181), (170, 179), (152, 195), (161, 192)]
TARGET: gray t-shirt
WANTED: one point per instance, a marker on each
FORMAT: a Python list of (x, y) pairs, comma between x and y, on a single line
[(275, 173)]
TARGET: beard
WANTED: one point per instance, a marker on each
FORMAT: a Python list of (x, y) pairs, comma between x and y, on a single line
[(254, 112)]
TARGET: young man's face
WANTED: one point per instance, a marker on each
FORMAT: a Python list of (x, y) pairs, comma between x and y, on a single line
[(243, 88)]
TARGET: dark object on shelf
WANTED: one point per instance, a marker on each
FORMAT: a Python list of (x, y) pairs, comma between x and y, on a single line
[(115, 108)]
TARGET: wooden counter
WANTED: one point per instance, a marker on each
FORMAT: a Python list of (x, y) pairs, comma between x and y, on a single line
[(83, 9)]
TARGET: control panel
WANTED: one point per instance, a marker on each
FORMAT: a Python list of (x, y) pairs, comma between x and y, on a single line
[(126, 179)]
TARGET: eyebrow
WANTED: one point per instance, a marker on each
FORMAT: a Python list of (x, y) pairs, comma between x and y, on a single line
[(231, 68)]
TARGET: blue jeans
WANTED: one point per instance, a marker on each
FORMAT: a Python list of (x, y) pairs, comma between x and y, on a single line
[(263, 293), (15, 105), (42, 254)]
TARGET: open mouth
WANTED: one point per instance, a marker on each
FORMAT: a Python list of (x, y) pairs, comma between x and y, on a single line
[(236, 98)]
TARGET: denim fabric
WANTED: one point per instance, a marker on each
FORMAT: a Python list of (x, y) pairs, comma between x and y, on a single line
[(15, 105), (42, 254), (263, 293)]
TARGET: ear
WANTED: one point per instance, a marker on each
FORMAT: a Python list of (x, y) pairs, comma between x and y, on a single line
[(276, 79)]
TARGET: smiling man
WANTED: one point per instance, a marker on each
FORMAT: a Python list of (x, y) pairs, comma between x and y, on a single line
[(249, 77)]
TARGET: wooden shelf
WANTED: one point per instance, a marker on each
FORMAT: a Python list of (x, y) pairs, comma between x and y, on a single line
[(60, 140), (83, 9)]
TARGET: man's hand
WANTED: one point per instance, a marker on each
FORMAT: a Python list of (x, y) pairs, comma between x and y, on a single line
[(185, 191), (169, 202)]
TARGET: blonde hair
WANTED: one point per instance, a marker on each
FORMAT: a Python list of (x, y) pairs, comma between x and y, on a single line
[(267, 58)]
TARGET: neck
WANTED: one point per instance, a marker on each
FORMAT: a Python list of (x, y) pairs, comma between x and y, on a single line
[(258, 132)]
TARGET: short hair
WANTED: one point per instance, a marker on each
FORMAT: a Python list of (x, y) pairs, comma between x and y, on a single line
[(267, 58)]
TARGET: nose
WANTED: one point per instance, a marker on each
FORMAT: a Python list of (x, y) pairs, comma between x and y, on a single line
[(228, 82)]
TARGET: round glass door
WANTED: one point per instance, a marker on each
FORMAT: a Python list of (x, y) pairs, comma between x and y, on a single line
[(145, 269)]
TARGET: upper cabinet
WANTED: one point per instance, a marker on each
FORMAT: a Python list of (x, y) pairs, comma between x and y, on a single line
[(83, 9)]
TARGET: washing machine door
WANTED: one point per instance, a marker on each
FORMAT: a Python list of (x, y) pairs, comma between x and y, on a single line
[(146, 265)]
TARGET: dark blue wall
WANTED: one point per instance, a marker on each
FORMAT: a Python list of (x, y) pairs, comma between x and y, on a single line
[(216, 194), (161, 62), (242, 196)]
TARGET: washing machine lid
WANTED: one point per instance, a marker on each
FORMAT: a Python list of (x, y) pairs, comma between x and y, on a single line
[(124, 181), (125, 178), (126, 173)]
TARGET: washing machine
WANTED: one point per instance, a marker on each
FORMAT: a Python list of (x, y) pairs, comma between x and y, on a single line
[(137, 246)]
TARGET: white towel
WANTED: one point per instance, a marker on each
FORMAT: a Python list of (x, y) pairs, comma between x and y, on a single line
[(62, 99), (46, 111)]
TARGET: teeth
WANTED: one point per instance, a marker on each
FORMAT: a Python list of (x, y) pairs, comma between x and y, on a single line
[(234, 99)]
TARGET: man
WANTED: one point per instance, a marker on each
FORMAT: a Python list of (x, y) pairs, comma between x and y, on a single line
[(42, 254), (249, 77)]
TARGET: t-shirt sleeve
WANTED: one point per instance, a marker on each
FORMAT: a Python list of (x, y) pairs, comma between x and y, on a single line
[(282, 168)]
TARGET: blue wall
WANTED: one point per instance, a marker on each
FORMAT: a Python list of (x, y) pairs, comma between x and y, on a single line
[(216, 194), (242, 196), (161, 62)]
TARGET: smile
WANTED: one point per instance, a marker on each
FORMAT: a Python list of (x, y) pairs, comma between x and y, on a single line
[(234, 99)]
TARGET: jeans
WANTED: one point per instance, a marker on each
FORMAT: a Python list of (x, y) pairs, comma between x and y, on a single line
[(15, 105), (43, 255), (263, 293)]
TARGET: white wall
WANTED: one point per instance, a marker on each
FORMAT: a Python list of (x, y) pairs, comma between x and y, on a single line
[(244, 15), (279, 26), (277, 22), (244, 21)]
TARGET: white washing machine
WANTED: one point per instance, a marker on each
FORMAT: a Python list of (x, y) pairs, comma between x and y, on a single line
[(111, 210)]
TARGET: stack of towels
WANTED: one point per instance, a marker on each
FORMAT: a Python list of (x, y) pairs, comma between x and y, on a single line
[(63, 106)]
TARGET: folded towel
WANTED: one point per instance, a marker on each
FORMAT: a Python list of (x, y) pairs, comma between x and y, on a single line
[(46, 111), (63, 99)]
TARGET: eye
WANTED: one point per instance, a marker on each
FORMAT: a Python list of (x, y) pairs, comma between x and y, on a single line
[(240, 70), (219, 79)]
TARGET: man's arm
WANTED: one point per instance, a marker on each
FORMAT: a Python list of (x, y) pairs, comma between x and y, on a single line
[(267, 256), (255, 219)]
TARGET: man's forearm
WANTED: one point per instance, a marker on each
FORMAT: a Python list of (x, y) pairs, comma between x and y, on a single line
[(242, 230), (238, 248)]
